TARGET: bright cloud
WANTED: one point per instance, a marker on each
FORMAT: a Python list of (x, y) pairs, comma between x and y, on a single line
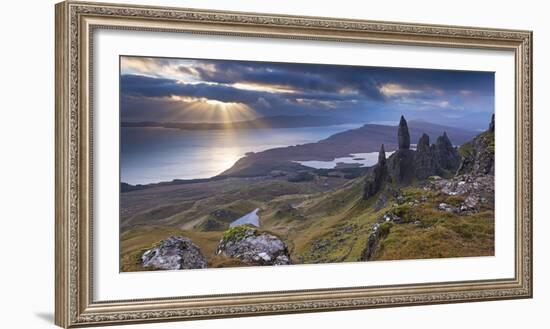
[(394, 89)]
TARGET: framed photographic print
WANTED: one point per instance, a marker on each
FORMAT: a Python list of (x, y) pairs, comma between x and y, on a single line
[(218, 164)]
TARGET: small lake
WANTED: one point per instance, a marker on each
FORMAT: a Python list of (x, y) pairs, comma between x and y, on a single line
[(152, 155), (355, 160)]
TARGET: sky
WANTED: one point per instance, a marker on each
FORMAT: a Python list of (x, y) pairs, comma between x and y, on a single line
[(200, 90)]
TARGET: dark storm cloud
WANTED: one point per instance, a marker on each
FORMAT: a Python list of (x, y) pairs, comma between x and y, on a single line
[(137, 85), (301, 77), (353, 91), (332, 78)]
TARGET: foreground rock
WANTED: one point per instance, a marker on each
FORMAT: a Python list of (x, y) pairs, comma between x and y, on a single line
[(254, 247), (174, 253), (477, 191)]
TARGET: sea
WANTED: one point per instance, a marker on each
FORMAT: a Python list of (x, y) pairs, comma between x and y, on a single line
[(154, 154)]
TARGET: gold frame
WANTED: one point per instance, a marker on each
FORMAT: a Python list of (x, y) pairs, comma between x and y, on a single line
[(76, 22)]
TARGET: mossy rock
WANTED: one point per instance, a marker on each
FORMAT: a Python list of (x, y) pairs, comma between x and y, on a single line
[(239, 232)]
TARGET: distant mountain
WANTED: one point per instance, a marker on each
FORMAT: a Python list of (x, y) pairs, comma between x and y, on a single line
[(367, 138), (281, 121)]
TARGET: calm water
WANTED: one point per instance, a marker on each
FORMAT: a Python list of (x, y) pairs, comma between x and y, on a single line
[(360, 159), (150, 155)]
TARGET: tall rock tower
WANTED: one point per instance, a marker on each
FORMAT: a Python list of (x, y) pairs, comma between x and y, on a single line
[(403, 137), (375, 181), (401, 163), (492, 124)]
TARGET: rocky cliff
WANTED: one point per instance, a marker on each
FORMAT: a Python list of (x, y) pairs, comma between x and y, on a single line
[(478, 155), (446, 155), (450, 182), (425, 162)]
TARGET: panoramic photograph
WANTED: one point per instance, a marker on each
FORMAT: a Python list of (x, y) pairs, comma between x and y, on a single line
[(227, 163)]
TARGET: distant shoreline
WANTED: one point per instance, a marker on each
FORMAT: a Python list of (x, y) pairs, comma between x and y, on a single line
[(293, 159), (282, 121)]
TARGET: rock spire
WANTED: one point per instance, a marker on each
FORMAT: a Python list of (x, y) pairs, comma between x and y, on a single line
[(403, 137), (376, 179)]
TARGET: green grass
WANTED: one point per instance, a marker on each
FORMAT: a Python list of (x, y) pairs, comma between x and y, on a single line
[(238, 233), (323, 226), (139, 239), (440, 234)]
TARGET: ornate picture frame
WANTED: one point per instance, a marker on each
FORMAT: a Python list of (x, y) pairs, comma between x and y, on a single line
[(76, 23)]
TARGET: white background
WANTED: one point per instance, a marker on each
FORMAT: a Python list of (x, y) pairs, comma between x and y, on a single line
[(27, 167)]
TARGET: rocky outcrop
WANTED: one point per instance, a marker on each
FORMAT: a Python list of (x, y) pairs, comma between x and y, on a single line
[(174, 253), (438, 159), (478, 155), (253, 247), (423, 144), (401, 166), (403, 137), (379, 175), (424, 160), (379, 231), (445, 154), (475, 191)]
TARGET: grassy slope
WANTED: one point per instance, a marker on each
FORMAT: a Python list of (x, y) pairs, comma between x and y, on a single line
[(336, 221), (328, 226), (334, 227), (440, 234), (135, 241)]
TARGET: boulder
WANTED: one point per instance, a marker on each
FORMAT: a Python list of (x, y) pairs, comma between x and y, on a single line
[(174, 253), (254, 247)]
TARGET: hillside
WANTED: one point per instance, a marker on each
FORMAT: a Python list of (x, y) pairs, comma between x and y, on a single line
[(378, 215), (367, 138)]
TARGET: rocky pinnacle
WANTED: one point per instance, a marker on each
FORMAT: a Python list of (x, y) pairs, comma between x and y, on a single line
[(423, 143), (492, 124), (382, 156), (377, 177), (403, 137)]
